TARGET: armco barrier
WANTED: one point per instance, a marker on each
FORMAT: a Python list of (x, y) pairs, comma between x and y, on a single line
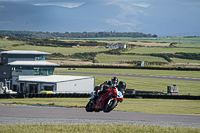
[(85, 95), (188, 97)]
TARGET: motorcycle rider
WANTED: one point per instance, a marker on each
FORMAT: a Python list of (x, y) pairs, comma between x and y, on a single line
[(122, 87), (109, 84)]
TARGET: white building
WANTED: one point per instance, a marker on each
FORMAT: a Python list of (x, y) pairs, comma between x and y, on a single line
[(29, 72), (116, 46), (56, 83)]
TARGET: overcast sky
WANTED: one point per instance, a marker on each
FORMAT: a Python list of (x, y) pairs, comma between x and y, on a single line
[(161, 17)]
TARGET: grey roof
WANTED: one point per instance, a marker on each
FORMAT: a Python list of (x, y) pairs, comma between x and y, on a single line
[(32, 63), (50, 78), (24, 52)]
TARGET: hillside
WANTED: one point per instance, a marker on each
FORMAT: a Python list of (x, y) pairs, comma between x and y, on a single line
[(93, 52)]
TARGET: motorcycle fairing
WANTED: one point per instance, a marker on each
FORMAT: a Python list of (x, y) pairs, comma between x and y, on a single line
[(100, 102)]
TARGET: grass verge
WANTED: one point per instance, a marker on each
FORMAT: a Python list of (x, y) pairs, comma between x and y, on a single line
[(91, 128), (152, 106)]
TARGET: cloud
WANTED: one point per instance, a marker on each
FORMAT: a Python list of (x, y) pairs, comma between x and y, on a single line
[(1, 6), (116, 22), (11, 0), (61, 4), (5, 22), (145, 5), (129, 15), (190, 3)]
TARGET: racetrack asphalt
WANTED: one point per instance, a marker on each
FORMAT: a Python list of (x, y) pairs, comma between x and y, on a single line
[(139, 76), (15, 114)]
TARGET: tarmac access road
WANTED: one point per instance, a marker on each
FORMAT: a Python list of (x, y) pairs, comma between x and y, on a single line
[(139, 76), (15, 114)]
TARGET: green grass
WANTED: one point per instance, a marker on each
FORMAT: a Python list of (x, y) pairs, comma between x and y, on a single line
[(105, 58), (188, 45), (146, 50), (178, 60), (182, 40), (94, 128), (152, 106), (4, 43), (160, 106), (124, 39), (173, 73), (148, 84), (65, 51), (80, 102)]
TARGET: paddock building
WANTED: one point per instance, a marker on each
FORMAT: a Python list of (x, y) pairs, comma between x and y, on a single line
[(29, 72)]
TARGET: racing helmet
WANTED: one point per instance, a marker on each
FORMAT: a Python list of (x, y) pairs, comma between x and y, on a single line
[(122, 85), (114, 81)]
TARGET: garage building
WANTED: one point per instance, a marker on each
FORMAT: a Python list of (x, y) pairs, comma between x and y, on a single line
[(56, 83)]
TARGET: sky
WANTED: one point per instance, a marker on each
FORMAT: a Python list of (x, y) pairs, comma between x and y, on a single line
[(160, 17)]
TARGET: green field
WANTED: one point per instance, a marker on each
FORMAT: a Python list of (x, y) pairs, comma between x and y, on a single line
[(173, 73), (64, 51), (148, 84), (94, 128), (4, 43), (118, 59), (188, 45), (182, 40), (105, 58), (178, 60), (149, 50)]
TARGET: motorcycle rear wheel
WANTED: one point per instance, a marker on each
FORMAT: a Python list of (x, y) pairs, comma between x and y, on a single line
[(110, 105), (88, 107)]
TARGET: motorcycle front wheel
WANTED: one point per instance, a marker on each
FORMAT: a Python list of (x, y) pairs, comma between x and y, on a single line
[(88, 107), (110, 105)]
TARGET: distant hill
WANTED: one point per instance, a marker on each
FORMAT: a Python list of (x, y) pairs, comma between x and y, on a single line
[(47, 35)]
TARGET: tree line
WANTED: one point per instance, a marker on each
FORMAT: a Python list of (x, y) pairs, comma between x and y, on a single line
[(54, 42), (47, 35)]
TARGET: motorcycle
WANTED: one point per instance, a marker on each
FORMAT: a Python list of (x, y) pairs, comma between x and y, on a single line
[(106, 101)]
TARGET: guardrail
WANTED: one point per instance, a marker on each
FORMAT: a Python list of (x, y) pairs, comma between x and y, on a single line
[(82, 95)]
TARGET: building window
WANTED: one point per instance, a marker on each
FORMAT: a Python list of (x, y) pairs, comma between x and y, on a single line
[(37, 71), (43, 71), (48, 88), (41, 57)]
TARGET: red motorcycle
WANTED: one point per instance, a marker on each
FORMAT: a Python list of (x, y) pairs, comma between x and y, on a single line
[(106, 101)]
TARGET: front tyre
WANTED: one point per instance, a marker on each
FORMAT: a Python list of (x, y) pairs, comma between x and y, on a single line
[(88, 107), (110, 105)]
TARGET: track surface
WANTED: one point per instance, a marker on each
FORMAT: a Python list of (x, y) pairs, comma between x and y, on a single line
[(140, 76), (59, 115)]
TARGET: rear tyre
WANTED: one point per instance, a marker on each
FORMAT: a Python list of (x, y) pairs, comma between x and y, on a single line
[(110, 105), (88, 107)]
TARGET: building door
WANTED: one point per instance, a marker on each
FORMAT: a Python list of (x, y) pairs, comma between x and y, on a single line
[(21, 88), (33, 88), (14, 88)]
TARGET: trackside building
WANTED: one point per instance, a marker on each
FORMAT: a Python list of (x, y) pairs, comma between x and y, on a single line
[(57, 83), (29, 72)]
